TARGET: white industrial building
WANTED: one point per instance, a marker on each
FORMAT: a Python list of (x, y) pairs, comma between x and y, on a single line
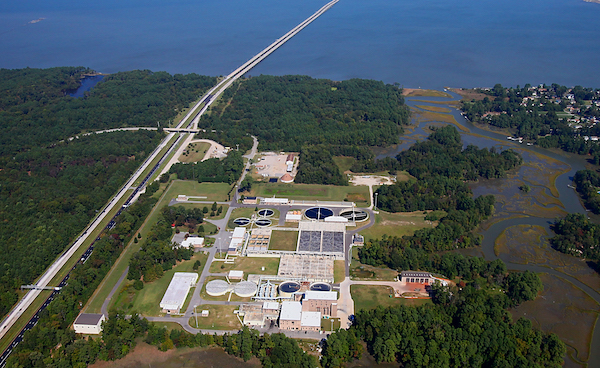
[(237, 240), (87, 323), (195, 241), (177, 291), (310, 321), (275, 201)]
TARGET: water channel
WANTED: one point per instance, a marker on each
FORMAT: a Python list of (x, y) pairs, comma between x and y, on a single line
[(539, 209)]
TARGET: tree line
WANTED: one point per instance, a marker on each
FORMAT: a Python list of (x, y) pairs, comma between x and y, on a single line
[(227, 170)]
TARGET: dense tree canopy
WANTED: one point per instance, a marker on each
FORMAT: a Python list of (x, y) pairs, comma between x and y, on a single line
[(577, 236), (50, 186), (288, 112), (227, 170)]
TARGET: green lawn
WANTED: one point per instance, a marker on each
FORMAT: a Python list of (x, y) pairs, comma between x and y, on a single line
[(212, 191), (396, 224), (284, 240), (220, 317), (250, 265), (370, 297), (313, 192), (326, 324), (360, 271), (194, 152), (344, 163), (146, 301), (339, 271)]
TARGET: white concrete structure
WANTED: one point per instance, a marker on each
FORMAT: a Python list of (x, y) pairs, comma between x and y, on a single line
[(89, 323), (245, 289), (194, 241), (237, 240), (236, 275), (177, 291), (238, 233), (275, 201), (294, 216), (320, 295), (218, 287)]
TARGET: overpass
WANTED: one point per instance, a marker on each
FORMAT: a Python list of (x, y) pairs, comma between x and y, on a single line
[(207, 100)]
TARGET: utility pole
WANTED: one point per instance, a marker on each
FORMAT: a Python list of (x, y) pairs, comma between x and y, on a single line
[(375, 205)]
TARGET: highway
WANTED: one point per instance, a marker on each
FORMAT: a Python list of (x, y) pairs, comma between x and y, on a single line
[(61, 261)]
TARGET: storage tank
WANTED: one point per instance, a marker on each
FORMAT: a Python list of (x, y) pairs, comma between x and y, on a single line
[(217, 287), (287, 288), (320, 286), (245, 289)]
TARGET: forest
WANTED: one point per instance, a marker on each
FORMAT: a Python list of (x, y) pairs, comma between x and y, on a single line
[(51, 186), (286, 113), (578, 236), (317, 167), (227, 170)]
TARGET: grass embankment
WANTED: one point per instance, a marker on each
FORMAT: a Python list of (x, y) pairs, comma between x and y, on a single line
[(339, 271), (250, 265), (283, 240), (361, 271), (370, 297), (194, 152), (146, 301), (330, 324), (220, 317), (313, 192), (213, 192), (240, 212), (396, 224), (344, 163)]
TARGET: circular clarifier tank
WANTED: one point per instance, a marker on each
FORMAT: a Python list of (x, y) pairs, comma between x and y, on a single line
[(355, 215), (245, 289), (263, 222), (318, 213), (241, 221), (266, 212), (287, 288), (320, 286), (217, 287)]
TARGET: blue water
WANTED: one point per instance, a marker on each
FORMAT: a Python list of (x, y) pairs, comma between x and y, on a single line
[(87, 84), (430, 43)]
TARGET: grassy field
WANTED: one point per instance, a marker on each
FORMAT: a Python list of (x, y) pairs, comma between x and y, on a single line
[(396, 224), (326, 324), (312, 192), (361, 271), (221, 317), (194, 152), (146, 301), (370, 297), (250, 265), (212, 191), (339, 271), (344, 163), (284, 240)]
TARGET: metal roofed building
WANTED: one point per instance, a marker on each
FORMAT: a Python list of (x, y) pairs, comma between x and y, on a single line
[(87, 323), (177, 291), (290, 316)]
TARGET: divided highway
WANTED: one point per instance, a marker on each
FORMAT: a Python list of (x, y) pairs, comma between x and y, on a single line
[(207, 100)]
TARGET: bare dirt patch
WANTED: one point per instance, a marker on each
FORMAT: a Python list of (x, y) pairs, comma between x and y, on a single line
[(469, 94), (417, 92)]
